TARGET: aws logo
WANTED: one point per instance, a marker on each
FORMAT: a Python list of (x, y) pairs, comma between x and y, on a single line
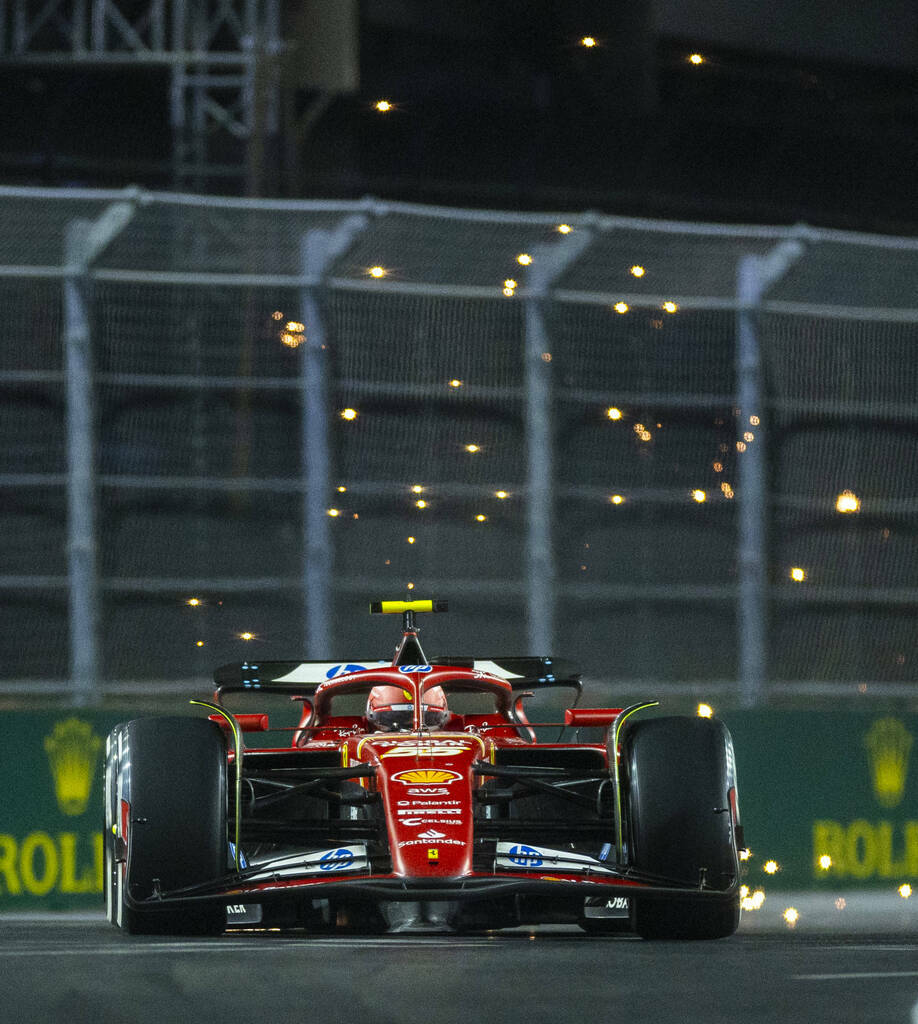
[(73, 750)]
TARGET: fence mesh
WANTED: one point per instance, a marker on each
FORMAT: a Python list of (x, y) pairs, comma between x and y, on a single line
[(445, 340)]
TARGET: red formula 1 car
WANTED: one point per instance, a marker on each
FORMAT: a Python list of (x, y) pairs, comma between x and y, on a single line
[(411, 815)]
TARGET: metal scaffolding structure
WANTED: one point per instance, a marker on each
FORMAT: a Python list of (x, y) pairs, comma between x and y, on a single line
[(221, 57)]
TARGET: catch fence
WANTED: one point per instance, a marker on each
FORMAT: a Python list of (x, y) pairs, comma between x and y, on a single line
[(683, 455)]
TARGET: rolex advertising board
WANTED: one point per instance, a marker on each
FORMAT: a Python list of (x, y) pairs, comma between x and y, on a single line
[(51, 822), (830, 798)]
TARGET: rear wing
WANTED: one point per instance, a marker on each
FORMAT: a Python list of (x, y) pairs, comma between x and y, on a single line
[(522, 673)]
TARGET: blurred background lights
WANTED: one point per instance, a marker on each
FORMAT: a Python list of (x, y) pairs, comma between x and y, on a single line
[(617, 499), (246, 636), (695, 58), (292, 340), (502, 494), (348, 414), (745, 853), (825, 861), (791, 916), (637, 271), (455, 383), (670, 307), (588, 41), (797, 574), (564, 229), (341, 489), (705, 711), (333, 512), (510, 283), (749, 436), (193, 601), (524, 259), (383, 106), (770, 867), (377, 271), (841, 903), (411, 540), (847, 501), (621, 307), (614, 413), (481, 517), (277, 315), (905, 890), (699, 496), (199, 643), (420, 503), (472, 448), (295, 325), (417, 488)]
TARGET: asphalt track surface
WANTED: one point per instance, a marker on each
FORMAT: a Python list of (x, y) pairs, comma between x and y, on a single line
[(842, 963)]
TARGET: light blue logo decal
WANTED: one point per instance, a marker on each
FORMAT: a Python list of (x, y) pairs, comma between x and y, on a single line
[(415, 668), (525, 856), (339, 859), (343, 670)]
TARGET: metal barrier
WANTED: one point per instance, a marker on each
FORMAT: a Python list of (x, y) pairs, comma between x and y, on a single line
[(682, 454)]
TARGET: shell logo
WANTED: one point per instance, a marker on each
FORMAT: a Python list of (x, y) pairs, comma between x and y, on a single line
[(426, 776)]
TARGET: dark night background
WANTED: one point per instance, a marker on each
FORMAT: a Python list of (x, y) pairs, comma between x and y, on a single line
[(801, 111)]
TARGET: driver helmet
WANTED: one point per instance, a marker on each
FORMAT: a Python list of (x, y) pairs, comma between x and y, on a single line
[(391, 709)]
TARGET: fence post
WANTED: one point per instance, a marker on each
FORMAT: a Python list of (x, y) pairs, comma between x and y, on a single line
[(81, 473), (756, 275), (319, 248), (83, 241), (548, 263)]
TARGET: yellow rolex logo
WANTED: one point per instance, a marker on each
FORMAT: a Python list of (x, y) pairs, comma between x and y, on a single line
[(888, 744), (72, 751)]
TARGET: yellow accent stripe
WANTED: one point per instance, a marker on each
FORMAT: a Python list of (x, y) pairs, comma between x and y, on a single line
[(237, 743), (387, 607), (616, 730)]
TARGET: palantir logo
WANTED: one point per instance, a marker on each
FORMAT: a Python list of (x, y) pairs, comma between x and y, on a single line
[(525, 856), (340, 859)]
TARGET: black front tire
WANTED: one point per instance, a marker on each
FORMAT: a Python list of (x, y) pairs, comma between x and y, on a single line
[(678, 776), (170, 773)]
